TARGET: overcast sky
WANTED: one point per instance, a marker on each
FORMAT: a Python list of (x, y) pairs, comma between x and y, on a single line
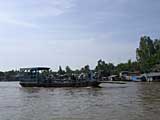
[(73, 32)]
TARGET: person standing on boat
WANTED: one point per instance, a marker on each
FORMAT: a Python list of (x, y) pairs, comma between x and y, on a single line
[(91, 75)]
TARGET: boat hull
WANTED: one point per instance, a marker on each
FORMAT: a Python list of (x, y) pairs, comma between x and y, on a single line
[(80, 84)]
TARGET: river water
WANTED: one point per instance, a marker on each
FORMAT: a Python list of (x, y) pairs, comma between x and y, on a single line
[(131, 101)]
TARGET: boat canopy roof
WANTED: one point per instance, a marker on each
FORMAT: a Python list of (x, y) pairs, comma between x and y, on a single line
[(34, 69)]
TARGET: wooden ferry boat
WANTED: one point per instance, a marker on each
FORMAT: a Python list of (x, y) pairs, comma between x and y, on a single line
[(38, 77)]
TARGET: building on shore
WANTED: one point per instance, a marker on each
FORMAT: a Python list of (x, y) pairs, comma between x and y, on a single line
[(130, 76), (113, 78), (152, 77)]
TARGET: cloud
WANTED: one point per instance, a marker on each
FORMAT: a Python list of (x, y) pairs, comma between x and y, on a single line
[(74, 32), (27, 12), (16, 22)]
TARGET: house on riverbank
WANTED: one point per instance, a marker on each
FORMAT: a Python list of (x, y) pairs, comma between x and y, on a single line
[(130, 76), (152, 77), (113, 78)]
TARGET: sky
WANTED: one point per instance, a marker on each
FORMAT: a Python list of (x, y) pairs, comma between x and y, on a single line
[(73, 32)]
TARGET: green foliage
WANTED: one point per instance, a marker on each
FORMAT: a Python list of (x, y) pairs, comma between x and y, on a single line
[(146, 49), (104, 69), (76, 71), (148, 56), (60, 71), (148, 53), (129, 66), (2, 74), (68, 70), (85, 69)]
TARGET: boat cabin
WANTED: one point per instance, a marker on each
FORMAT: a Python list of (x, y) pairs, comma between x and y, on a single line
[(36, 74)]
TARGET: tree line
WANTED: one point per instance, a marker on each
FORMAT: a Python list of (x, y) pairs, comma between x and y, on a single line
[(147, 60)]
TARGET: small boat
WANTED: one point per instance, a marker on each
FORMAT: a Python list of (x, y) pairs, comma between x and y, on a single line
[(39, 77)]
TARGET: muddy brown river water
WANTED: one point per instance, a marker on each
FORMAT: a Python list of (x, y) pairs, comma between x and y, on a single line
[(131, 101)]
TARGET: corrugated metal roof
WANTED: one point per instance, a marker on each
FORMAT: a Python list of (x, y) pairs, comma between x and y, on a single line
[(153, 74)]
